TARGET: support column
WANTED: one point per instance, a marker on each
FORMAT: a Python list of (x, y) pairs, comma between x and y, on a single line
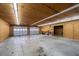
[(28, 30), (40, 30), (11, 31)]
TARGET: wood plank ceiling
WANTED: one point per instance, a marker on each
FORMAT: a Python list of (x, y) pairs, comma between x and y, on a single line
[(30, 13), (59, 17), (7, 13)]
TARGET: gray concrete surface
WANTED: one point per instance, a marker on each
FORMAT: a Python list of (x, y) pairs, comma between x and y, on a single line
[(39, 45)]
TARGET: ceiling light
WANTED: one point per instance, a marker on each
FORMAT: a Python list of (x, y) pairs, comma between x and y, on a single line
[(16, 13), (76, 17)]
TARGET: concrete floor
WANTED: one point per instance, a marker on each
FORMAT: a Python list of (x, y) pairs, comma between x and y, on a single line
[(39, 45)]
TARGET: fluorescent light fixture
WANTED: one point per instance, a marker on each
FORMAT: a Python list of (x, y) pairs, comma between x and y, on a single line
[(76, 17), (16, 13), (66, 10)]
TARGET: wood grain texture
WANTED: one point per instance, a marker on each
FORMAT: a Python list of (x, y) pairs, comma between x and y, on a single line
[(76, 30), (4, 30), (30, 13), (68, 30)]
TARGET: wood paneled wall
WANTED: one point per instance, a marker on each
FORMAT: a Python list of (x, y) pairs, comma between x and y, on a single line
[(76, 30), (68, 30), (4, 30), (71, 30)]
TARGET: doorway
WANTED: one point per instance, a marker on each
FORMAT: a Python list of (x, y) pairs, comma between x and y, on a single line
[(58, 30)]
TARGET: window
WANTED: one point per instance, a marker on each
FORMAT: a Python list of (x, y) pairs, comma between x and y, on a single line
[(34, 30), (20, 30)]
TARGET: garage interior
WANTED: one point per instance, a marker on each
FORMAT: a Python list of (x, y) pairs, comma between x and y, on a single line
[(39, 29)]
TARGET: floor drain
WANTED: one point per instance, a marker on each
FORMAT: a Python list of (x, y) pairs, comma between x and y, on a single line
[(12, 52)]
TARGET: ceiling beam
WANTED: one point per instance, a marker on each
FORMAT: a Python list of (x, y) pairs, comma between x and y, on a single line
[(73, 18), (66, 10), (51, 8), (55, 11)]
